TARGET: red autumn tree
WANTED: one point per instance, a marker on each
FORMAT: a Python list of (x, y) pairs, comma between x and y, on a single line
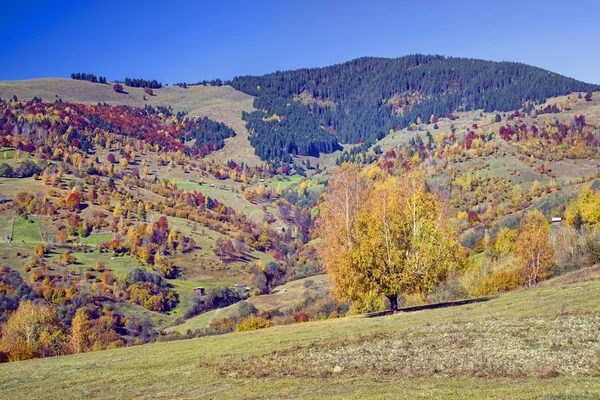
[(162, 223), (148, 91), (473, 217), (111, 158), (224, 248), (301, 316), (117, 87), (74, 200), (62, 236), (29, 147), (588, 97)]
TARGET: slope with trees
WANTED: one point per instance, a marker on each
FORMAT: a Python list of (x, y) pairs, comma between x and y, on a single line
[(309, 111)]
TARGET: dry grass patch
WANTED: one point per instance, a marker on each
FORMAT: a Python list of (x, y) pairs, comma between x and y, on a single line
[(530, 347)]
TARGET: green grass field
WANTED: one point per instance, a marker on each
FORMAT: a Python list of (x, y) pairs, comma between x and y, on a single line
[(94, 239), (284, 181), (26, 231), (6, 154), (185, 289), (5, 225), (540, 343), (118, 265), (10, 187), (205, 319)]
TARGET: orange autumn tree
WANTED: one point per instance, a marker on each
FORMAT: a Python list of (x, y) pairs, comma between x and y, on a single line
[(388, 237), (347, 192), (74, 200)]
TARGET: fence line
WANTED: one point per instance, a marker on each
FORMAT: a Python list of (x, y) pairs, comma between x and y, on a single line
[(12, 228)]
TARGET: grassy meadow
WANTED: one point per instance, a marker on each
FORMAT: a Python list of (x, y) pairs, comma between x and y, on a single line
[(26, 231), (539, 343)]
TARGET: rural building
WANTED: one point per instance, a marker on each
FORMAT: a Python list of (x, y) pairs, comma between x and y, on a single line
[(556, 220), (199, 291), (242, 286)]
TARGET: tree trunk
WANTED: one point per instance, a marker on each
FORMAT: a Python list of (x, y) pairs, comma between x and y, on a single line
[(393, 303)]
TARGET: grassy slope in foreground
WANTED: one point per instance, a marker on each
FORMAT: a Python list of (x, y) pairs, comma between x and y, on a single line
[(540, 343)]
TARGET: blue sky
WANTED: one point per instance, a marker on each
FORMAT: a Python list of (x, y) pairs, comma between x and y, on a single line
[(175, 41)]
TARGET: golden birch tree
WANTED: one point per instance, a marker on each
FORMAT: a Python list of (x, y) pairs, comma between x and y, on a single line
[(534, 250), (396, 242), (79, 331), (32, 331), (346, 194)]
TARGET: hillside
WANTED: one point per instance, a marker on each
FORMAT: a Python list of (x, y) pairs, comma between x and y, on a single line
[(85, 181), (309, 111), (281, 298), (220, 103), (119, 208), (540, 343)]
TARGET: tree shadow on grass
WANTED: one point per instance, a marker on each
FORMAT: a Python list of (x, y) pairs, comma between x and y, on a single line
[(443, 304)]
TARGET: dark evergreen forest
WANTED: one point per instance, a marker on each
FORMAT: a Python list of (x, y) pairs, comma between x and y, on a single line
[(209, 135), (83, 76), (309, 111), (152, 84)]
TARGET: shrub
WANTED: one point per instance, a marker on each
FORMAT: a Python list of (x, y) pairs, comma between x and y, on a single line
[(222, 325), (118, 88), (37, 275), (246, 309), (39, 250), (502, 281), (301, 316), (308, 283), (252, 323)]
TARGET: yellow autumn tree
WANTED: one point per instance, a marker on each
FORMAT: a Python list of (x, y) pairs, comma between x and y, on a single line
[(586, 209), (302, 188), (32, 331), (504, 245), (534, 250), (118, 211), (253, 323), (386, 238), (79, 331)]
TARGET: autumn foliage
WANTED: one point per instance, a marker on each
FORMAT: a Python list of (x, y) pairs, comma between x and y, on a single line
[(534, 250), (386, 237), (252, 323), (74, 200), (32, 331)]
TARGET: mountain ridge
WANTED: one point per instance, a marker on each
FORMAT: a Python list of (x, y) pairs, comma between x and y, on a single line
[(309, 111)]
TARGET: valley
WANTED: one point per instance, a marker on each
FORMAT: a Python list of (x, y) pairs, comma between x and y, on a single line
[(151, 234)]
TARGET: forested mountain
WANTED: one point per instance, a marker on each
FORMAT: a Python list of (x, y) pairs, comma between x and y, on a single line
[(308, 111)]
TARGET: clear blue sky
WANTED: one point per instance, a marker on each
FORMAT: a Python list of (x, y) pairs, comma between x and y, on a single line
[(175, 41)]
